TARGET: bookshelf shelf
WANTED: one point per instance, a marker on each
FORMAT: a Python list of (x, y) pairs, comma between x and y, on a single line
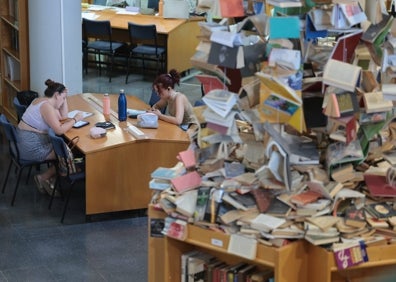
[(291, 257), (381, 265), (14, 58)]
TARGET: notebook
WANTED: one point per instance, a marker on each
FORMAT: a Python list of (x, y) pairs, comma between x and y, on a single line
[(73, 113)]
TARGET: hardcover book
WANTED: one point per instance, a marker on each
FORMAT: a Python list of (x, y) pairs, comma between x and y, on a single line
[(350, 255), (341, 75), (380, 210), (186, 182), (375, 102)]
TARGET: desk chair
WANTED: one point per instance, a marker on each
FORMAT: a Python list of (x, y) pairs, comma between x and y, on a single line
[(68, 177), (16, 158), (149, 50), (98, 38), (153, 4), (154, 98), (20, 109)]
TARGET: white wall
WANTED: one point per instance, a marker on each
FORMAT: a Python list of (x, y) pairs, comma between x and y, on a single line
[(55, 44)]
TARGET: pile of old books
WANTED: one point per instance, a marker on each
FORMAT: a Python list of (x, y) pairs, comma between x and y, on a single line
[(264, 166)]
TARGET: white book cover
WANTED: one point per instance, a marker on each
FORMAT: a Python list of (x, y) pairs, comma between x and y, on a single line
[(265, 222)]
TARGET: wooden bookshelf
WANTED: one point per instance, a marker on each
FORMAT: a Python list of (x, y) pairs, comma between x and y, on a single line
[(380, 267), (14, 46), (287, 262)]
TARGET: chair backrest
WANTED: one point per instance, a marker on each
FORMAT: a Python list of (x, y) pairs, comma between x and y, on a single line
[(153, 4), (58, 144), (20, 109), (154, 98), (142, 32), (11, 135), (96, 30)]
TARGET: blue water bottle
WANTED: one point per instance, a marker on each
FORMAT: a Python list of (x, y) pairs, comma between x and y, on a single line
[(122, 106)]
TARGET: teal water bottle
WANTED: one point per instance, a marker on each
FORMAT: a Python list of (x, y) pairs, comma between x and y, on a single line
[(122, 106)]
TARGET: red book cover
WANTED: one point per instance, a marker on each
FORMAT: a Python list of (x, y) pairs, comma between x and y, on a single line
[(305, 198), (378, 186), (210, 82), (186, 182)]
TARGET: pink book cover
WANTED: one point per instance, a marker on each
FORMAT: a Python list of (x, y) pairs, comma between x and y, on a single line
[(217, 127), (186, 182), (188, 158), (351, 256)]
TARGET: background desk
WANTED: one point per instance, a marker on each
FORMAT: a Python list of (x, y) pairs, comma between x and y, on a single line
[(118, 167), (179, 36)]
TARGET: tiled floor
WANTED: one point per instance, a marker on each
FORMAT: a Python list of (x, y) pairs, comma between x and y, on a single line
[(35, 246)]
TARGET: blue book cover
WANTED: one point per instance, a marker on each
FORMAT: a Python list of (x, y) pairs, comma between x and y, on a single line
[(284, 27)]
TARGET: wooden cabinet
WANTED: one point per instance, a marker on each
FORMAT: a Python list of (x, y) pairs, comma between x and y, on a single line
[(14, 45), (287, 262)]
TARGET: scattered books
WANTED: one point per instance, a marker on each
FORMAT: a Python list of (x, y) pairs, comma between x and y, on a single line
[(374, 102), (355, 217), (220, 101), (341, 75)]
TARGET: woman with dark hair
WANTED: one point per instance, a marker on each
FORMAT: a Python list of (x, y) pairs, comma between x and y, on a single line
[(180, 110), (43, 113)]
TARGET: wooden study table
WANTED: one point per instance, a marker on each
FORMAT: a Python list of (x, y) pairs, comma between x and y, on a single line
[(179, 36), (118, 166)]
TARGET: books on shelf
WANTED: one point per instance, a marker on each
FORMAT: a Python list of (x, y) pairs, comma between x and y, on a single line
[(12, 68), (318, 239), (242, 246), (350, 254)]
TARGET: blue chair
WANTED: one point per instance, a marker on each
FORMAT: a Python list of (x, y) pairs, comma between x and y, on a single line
[(60, 148), (154, 98), (150, 50), (98, 38), (20, 109), (16, 159)]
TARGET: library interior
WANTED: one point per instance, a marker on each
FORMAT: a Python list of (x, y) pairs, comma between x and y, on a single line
[(286, 170)]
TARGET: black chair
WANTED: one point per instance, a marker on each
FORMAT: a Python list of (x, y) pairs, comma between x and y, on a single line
[(65, 177), (98, 38), (20, 109), (144, 46), (16, 159), (153, 4)]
